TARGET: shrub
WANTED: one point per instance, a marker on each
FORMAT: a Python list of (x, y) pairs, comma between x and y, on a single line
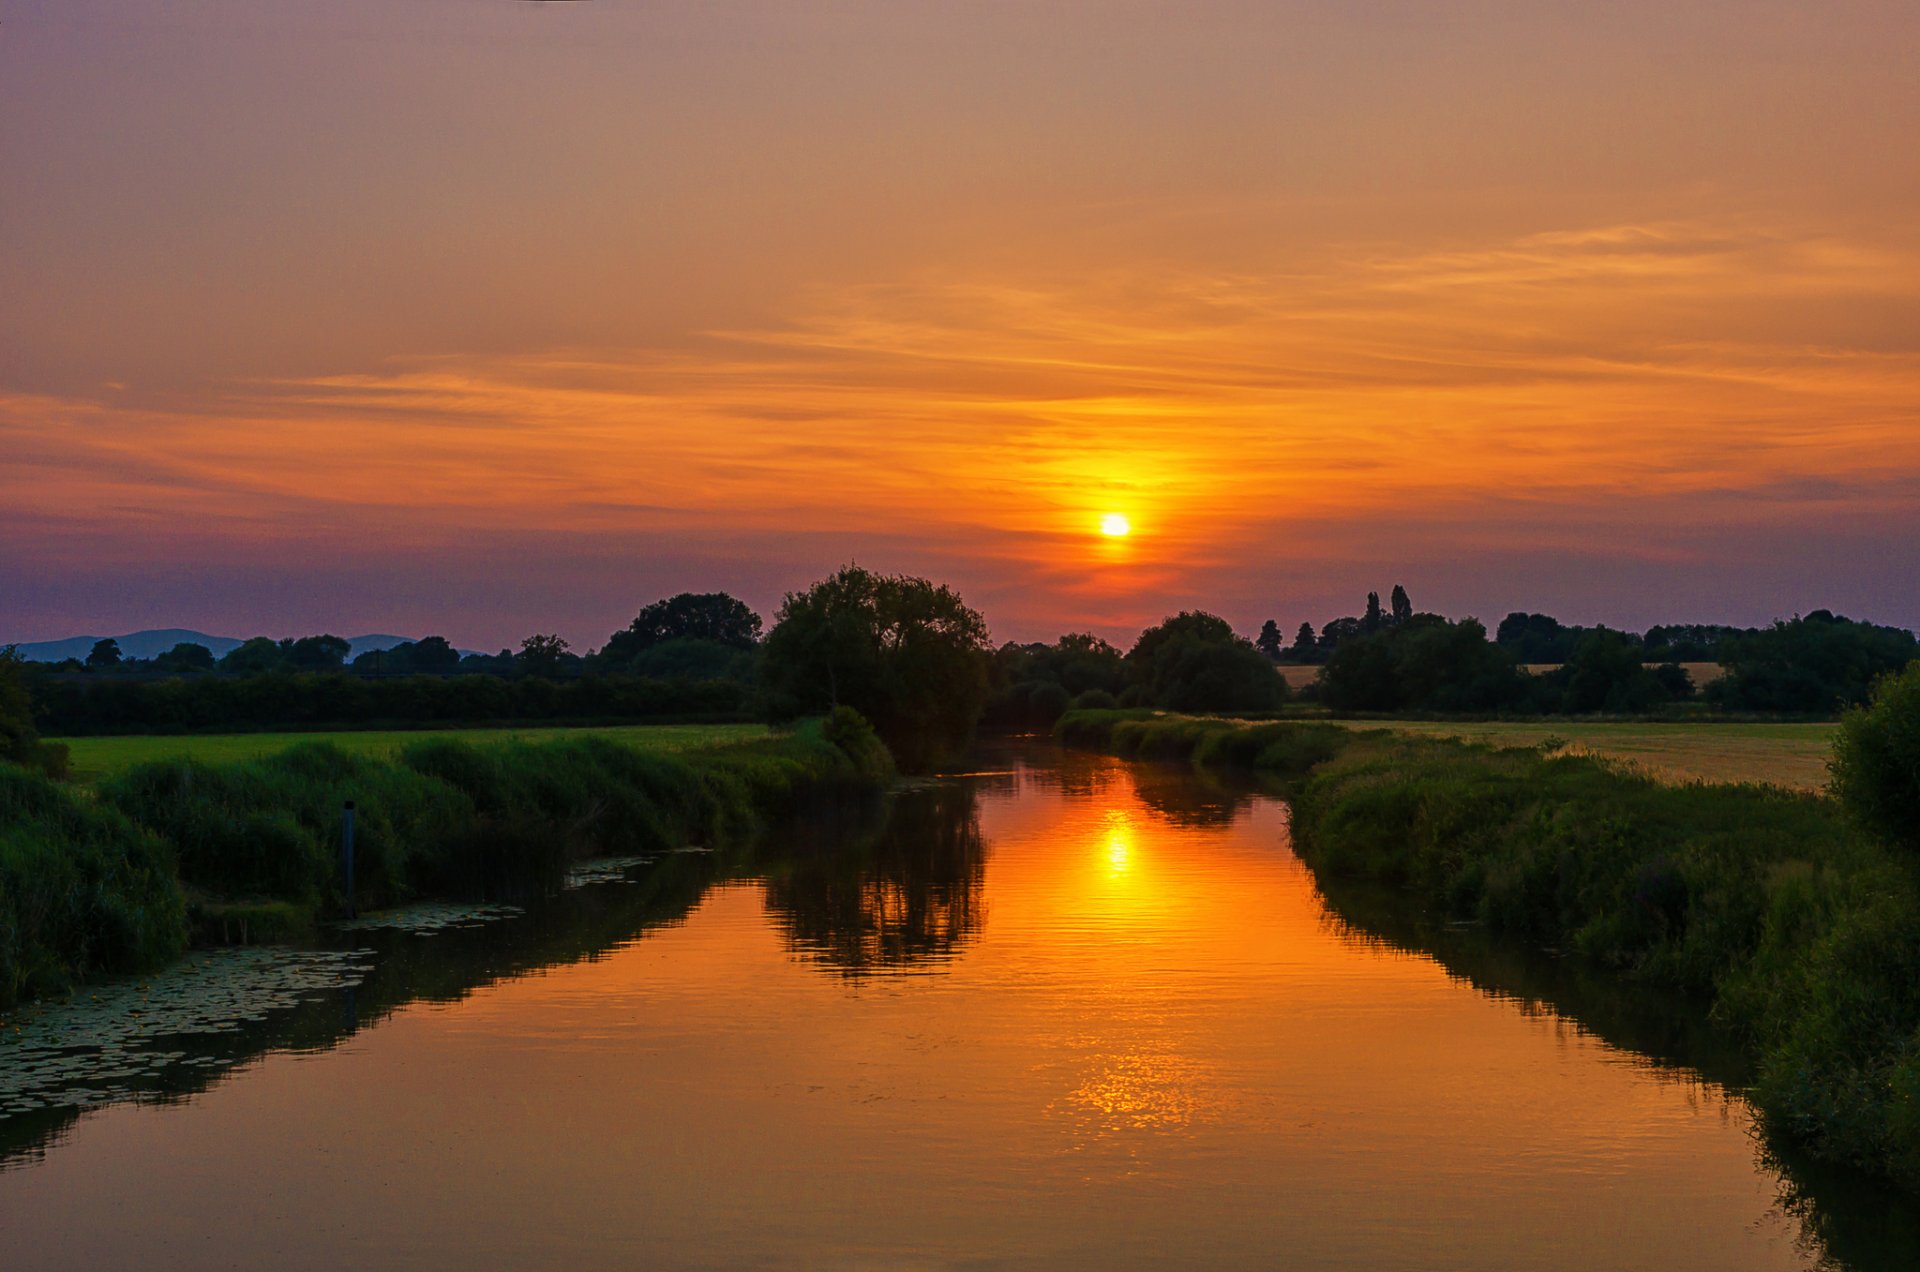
[(1876, 760), (82, 890)]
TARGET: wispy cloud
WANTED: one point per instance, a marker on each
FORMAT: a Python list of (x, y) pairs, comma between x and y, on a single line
[(1615, 378)]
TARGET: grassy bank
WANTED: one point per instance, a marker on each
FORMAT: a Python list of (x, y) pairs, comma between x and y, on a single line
[(94, 758), (1789, 925), (110, 880)]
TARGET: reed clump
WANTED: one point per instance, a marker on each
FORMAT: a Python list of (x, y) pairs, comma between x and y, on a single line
[(83, 891)]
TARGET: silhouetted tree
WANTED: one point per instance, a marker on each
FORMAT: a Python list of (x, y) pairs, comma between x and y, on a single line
[(1402, 604), (432, 654), (1815, 664), (1425, 664), (1371, 623), (1077, 664), (19, 741), (315, 653), (105, 654), (1268, 642), (1194, 661), (1303, 648), (541, 656), (260, 654), (706, 616), (185, 657), (906, 653)]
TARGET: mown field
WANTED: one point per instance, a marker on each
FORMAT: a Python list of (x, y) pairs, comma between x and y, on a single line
[(1793, 756), (94, 758)]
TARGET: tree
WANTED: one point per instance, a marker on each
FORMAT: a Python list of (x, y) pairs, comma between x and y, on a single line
[(1402, 604), (541, 656), (1814, 664), (105, 654), (906, 653), (1269, 640), (1426, 664), (1371, 623), (185, 657), (251, 657), (315, 653), (432, 654), (19, 741), (1876, 760), (1606, 673), (1302, 650), (689, 659), (1194, 661), (705, 616)]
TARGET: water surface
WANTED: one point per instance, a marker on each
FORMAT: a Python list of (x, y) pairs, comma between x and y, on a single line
[(1061, 1012)]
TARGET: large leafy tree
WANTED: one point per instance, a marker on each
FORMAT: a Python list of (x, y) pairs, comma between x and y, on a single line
[(316, 653), (185, 657), (1195, 661), (706, 616), (104, 654), (908, 654), (1426, 663), (251, 657), (541, 655), (1815, 664)]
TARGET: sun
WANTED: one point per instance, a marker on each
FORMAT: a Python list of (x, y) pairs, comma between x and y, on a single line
[(1115, 526)]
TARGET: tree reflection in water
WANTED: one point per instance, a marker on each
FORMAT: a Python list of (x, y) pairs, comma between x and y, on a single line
[(895, 888)]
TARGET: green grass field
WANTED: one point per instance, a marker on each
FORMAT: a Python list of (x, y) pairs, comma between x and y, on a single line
[(95, 758), (1788, 755)]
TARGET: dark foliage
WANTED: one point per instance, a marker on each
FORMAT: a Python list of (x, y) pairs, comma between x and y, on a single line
[(19, 740), (1032, 683), (712, 618), (1423, 664), (89, 705), (908, 654), (1194, 661), (1876, 761), (1816, 664)]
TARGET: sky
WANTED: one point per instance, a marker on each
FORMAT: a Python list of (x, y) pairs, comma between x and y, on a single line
[(487, 317)]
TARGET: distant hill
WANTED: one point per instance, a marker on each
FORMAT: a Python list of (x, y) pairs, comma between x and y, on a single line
[(149, 644)]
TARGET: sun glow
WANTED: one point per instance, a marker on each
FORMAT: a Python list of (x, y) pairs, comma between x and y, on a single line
[(1115, 526)]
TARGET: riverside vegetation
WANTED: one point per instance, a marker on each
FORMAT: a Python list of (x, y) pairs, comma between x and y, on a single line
[(1794, 918), (120, 878)]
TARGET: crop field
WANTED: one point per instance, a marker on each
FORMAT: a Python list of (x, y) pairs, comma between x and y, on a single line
[(1789, 755), (96, 757)]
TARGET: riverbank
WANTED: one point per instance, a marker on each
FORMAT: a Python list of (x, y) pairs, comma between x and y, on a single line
[(121, 878), (1790, 926)]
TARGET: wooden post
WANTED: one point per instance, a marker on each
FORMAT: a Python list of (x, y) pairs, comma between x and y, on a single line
[(346, 851)]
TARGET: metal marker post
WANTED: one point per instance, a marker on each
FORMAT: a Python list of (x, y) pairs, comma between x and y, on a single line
[(346, 851)]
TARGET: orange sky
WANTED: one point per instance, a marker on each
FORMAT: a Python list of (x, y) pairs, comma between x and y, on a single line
[(484, 317)]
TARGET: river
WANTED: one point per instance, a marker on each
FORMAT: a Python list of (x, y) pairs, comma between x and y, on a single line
[(1060, 1011)]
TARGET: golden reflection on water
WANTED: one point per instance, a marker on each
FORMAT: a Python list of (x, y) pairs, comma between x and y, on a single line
[(1082, 1015)]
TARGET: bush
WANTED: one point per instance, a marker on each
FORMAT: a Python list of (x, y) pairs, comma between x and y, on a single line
[(1876, 761), (1094, 700), (82, 890)]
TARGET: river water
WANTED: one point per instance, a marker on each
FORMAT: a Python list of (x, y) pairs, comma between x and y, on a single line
[(1058, 1012)]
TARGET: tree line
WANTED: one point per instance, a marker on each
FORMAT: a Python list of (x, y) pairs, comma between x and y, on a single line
[(917, 661)]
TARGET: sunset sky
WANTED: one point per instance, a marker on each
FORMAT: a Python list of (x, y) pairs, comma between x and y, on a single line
[(485, 317)]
